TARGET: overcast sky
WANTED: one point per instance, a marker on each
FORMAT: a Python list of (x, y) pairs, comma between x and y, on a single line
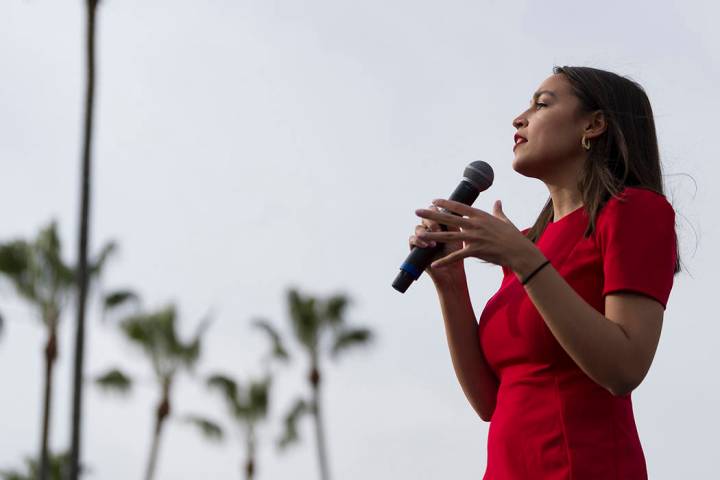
[(243, 147)]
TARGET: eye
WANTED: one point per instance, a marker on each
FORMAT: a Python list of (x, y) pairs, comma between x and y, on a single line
[(539, 104)]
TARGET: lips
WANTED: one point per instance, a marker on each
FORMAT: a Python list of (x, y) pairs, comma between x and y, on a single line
[(518, 140)]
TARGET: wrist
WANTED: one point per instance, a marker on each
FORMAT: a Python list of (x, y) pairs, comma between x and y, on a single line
[(526, 263), (450, 279)]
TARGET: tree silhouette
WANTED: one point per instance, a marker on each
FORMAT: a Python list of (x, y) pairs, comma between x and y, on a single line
[(155, 334), (57, 464), (320, 329), (43, 279), (249, 405)]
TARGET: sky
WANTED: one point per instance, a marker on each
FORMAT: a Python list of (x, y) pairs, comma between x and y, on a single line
[(246, 147)]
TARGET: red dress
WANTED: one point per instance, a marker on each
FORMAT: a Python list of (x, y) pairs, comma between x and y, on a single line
[(552, 421)]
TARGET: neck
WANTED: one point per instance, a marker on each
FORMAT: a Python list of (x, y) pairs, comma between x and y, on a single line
[(566, 196)]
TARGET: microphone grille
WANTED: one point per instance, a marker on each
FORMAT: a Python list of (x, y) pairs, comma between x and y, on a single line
[(479, 174)]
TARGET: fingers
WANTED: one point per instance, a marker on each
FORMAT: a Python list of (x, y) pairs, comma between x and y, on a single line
[(426, 225), (459, 208), (452, 258), (416, 241), (444, 218), (430, 224), (442, 236)]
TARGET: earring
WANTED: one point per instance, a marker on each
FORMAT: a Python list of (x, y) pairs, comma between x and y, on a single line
[(585, 145)]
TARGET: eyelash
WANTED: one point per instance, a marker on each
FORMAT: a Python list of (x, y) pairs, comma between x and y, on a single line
[(537, 104)]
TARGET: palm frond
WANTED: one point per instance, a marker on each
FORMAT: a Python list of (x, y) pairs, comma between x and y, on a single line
[(156, 333), (48, 249), (334, 309), (210, 429), (97, 265), (290, 435), (305, 320), (114, 380), (141, 329), (146, 331), (258, 398), (188, 353), (17, 265), (225, 385), (58, 464), (350, 337), (14, 257), (118, 298), (278, 349)]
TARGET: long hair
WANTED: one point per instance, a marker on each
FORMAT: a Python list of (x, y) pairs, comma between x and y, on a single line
[(626, 154)]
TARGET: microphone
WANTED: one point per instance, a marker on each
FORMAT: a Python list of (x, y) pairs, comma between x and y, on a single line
[(477, 177)]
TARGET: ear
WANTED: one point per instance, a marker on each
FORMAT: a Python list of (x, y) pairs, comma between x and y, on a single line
[(596, 124)]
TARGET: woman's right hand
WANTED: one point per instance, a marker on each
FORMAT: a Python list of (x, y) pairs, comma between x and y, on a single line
[(439, 274)]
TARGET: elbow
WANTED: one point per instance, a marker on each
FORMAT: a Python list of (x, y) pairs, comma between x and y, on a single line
[(486, 416), (622, 389), (620, 392)]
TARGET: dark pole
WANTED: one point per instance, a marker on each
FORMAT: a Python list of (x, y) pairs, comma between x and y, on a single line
[(82, 266)]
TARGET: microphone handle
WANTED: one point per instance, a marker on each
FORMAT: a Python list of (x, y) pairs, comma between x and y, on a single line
[(420, 258)]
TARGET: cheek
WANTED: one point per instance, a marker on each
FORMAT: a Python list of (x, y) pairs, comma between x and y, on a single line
[(555, 139)]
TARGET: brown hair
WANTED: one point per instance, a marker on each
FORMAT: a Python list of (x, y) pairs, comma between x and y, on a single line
[(626, 154)]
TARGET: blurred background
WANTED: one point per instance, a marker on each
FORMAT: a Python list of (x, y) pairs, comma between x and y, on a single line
[(246, 150)]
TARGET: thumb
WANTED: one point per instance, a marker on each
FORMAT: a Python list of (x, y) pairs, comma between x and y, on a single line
[(498, 212)]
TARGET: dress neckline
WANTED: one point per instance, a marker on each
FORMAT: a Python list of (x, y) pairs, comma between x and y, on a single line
[(574, 212)]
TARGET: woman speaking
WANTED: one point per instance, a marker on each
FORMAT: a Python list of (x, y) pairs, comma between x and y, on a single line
[(573, 328)]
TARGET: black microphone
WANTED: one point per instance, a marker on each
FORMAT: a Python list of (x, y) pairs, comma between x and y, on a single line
[(477, 177)]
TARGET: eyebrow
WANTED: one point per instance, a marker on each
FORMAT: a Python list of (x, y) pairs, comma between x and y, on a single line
[(540, 92)]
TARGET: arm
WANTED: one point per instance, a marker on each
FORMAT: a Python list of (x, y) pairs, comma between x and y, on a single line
[(615, 349), (475, 376)]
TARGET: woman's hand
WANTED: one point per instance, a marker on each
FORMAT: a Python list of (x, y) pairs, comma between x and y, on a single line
[(492, 238), (440, 274)]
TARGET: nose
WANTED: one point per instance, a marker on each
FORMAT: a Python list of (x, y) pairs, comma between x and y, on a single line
[(519, 122)]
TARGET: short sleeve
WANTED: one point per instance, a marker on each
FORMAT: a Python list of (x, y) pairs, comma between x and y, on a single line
[(636, 236)]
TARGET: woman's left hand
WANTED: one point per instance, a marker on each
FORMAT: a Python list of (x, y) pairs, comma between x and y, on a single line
[(493, 238)]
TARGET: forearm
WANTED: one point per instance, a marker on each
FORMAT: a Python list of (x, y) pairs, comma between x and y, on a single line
[(475, 376), (598, 346)]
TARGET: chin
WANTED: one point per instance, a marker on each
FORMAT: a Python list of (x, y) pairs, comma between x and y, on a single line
[(525, 167), (535, 166)]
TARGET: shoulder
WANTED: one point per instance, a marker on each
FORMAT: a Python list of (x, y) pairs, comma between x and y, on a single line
[(638, 195), (636, 204), (636, 211)]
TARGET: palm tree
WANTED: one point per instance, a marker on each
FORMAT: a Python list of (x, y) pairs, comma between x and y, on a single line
[(83, 240), (246, 407), (43, 279), (155, 334), (319, 328), (249, 406), (57, 463)]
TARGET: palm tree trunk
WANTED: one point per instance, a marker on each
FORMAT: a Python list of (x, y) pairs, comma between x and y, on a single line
[(152, 460), (82, 273), (50, 356), (319, 430), (163, 410), (250, 461)]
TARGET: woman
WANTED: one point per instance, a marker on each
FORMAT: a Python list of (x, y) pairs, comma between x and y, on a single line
[(574, 326)]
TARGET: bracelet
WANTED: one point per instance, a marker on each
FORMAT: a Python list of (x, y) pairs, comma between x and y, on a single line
[(534, 272)]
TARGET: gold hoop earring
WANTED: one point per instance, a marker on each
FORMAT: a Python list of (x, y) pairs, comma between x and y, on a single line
[(585, 145)]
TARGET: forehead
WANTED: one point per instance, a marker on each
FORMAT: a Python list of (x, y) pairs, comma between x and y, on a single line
[(556, 83)]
